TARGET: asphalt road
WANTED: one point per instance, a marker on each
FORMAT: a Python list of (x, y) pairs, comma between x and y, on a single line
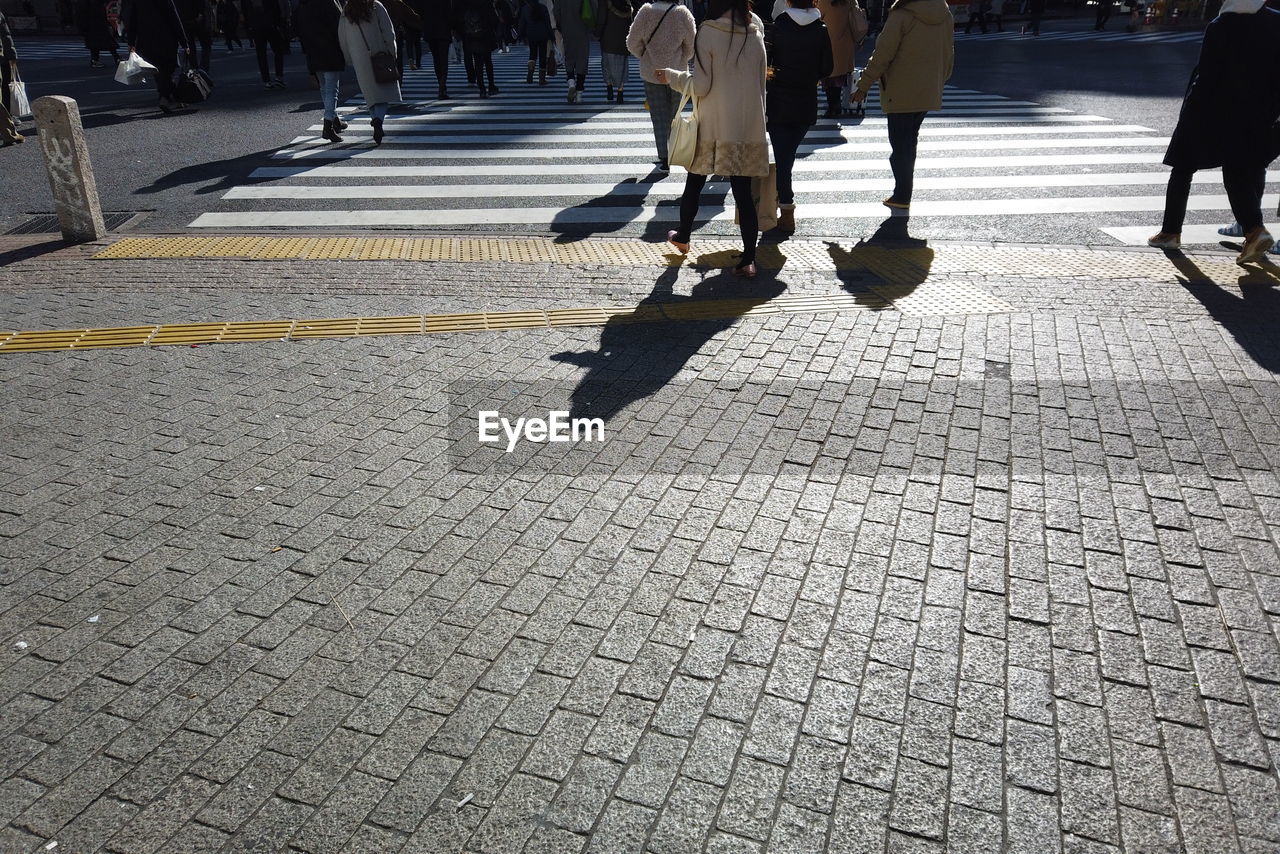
[(178, 167)]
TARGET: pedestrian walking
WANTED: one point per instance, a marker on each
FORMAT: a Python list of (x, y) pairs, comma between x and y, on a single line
[(534, 25), (995, 14), (1228, 119), (91, 19), (480, 40), (437, 30), (837, 18), (365, 31), (612, 29), (799, 52), (1103, 14), (1035, 9), (268, 22), (728, 79), (661, 36), (977, 13), (574, 22), (912, 60), (154, 31), (229, 24), (8, 73), (407, 25), (316, 23), (197, 20)]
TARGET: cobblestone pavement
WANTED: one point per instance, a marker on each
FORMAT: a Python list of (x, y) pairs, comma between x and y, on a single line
[(850, 582)]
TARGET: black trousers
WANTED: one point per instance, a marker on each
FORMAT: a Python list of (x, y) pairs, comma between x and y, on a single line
[(482, 61), (5, 80), (272, 39), (747, 218), (538, 54), (786, 139), (165, 86), (1244, 185), (440, 59), (904, 137)]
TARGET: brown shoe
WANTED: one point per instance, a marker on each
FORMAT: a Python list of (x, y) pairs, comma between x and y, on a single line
[(787, 219)]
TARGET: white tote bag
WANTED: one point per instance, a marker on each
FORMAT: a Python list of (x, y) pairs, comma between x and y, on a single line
[(18, 100), (682, 144)]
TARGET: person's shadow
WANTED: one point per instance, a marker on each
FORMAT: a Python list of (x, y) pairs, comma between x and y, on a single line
[(1250, 317), (225, 174), (605, 214), (890, 262), (643, 351)]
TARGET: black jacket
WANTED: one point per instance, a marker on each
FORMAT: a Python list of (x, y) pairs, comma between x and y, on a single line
[(800, 56), (316, 23), (436, 19), (152, 28), (1233, 99), (91, 20), (535, 22)]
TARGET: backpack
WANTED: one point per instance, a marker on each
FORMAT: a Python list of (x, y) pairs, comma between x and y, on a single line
[(858, 25), (473, 23)]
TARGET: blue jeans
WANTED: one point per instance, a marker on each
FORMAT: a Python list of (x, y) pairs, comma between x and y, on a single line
[(786, 139), (378, 111), (329, 92), (904, 135)]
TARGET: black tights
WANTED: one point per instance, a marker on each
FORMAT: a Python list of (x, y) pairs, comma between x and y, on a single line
[(747, 219), (482, 61)]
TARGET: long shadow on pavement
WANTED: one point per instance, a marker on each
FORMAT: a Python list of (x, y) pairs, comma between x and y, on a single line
[(227, 173), (896, 262), (1250, 317), (636, 360)]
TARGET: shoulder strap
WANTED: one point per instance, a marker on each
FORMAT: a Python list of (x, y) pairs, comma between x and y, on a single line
[(645, 49)]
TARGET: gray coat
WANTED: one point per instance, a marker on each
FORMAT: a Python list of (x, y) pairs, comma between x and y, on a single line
[(577, 35), (379, 34)]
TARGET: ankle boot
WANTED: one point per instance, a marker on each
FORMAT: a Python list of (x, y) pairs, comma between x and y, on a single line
[(833, 103), (787, 219), (330, 132), (377, 131), (542, 76), (339, 125), (528, 78)]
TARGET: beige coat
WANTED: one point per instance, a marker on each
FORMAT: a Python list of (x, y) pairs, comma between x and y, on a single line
[(728, 81), (362, 40), (913, 57), (840, 29)]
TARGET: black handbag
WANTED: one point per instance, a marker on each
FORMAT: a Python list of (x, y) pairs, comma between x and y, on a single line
[(194, 86), (385, 67)]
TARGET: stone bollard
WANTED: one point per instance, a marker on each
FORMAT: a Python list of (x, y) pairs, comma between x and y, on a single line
[(66, 157)]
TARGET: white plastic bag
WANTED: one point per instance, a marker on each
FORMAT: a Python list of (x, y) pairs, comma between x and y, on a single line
[(133, 70), (19, 101)]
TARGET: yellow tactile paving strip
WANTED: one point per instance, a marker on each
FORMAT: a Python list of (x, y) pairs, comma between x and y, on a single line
[(427, 324), (894, 265)]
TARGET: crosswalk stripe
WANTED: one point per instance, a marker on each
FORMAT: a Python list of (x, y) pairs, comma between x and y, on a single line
[(513, 170), (528, 159), (1130, 235), (387, 153), (547, 217), (673, 186)]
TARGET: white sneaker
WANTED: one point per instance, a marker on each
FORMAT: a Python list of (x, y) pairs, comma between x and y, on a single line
[(1233, 230), (1165, 241)]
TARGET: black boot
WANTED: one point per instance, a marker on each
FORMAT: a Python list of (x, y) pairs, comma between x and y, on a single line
[(833, 103), (339, 125), (377, 131), (330, 132), (608, 93), (528, 78)]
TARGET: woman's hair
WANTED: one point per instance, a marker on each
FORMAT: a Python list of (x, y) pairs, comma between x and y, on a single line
[(358, 10), (741, 14)]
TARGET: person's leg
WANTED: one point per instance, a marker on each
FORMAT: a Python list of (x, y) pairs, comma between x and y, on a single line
[(660, 115), (1175, 200), (440, 59), (748, 219), (693, 184), (164, 80), (488, 67), (468, 62), (904, 136), (786, 140), (329, 92), (1242, 184), (278, 48), (260, 47)]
